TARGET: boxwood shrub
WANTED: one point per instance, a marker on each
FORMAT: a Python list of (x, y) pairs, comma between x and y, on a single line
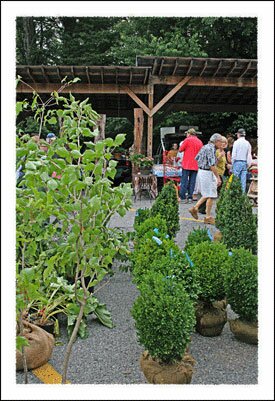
[(210, 258), (167, 206), (196, 237), (176, 265), (141, 215), (150, 248), (241, 284), (150, 224), (164, 317), (235, 218)]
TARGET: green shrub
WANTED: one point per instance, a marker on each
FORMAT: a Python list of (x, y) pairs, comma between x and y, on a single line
[(167, 206), (177, 265), (235, 218), (196, 237), (210, 259), (141, 215), (241, 284), (156, 223), (149, 250), (164, 317)]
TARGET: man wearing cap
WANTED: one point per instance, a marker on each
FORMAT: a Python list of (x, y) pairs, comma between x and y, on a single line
[(208, 177), (191, 147), (241, 157)]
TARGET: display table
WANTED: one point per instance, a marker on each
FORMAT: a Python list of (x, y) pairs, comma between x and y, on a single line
[(146, 183)]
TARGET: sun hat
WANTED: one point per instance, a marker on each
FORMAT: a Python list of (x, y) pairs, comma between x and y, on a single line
[(191, 131)]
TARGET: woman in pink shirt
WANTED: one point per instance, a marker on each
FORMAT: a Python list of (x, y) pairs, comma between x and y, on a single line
[(191, 147)]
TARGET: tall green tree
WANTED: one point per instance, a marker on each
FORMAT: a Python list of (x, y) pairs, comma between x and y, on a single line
[(38, 40)]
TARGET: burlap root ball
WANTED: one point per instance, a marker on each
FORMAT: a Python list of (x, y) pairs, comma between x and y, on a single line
[(210, 320), (40, 347), (160, 373), (244, 331)]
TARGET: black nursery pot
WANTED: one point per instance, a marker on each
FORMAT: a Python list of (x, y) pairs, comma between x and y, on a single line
[(47, 326)]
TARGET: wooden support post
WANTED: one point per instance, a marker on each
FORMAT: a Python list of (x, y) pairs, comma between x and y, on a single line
[(150, 123), (138, 129), (100, 124)]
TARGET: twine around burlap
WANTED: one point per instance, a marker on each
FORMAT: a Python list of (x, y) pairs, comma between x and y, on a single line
[(244, 331), (159, 373), (40, 347)]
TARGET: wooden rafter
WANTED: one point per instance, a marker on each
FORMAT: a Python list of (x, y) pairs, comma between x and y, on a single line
[(176, 66), (246, 69), (44, 74), (145, 76), (58, 73), (217, 70), (204, 67), (154, 67), (232, 68), (189, 68), (87, 74), (72, 71), (30, 75), (161, 65)]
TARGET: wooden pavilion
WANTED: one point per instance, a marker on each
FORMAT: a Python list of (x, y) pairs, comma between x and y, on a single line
[(154, 83)]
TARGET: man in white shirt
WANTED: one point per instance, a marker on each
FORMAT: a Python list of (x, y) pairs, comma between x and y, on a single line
[(241, 157)]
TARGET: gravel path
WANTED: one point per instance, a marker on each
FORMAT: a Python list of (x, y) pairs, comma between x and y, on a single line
[(111, 356)]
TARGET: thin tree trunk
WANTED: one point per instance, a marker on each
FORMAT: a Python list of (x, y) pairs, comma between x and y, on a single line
[(21, 328)]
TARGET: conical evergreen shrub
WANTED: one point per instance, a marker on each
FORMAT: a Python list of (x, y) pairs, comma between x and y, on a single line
[(167, 206), (235, 218)]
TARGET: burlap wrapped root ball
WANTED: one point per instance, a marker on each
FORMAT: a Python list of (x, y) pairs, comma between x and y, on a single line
[(40, 347)]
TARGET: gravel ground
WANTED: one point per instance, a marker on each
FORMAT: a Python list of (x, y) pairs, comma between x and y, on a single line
[(111, 356)]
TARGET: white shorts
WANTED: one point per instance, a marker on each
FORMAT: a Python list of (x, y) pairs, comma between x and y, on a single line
[(207, 184)]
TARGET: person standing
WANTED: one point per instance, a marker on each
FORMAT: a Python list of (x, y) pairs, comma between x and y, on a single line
[(191, 147), (208, 177), (221, 160), (241, 157)]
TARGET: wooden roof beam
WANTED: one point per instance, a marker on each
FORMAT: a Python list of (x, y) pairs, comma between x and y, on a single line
[(219, 107), (83, 88), (161, 65), (58, 73), (137, 100), (204, 67), (87, 74), (207, 81), (176, 66), (44, 74), (190, 66), (232, 68), (246, 69), (30, 75), (169, 95), (218, 68)]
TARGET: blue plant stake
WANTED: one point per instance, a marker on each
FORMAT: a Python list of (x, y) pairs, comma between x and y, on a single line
[(188, 258), (230, 253), (209, 234), (157, 240), (167, 236), (171, 253), (156, 231)]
